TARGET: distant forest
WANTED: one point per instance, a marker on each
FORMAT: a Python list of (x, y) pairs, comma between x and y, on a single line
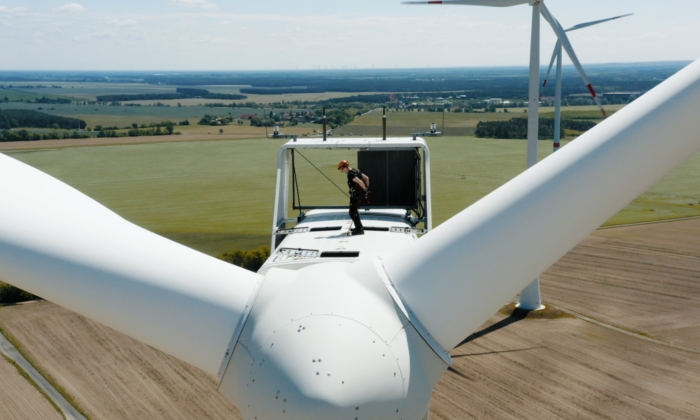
[(12, 118), (504, 82), (180, 93), (516, 128)]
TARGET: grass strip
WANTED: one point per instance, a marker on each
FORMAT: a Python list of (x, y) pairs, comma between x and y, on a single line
[(34, 384), (46, 376)]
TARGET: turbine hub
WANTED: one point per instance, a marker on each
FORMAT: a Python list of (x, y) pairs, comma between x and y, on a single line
[(321, 367)]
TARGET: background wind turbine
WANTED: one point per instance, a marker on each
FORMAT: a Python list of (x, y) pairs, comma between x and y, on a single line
[(530, 297), (564, 40), (556, 55)]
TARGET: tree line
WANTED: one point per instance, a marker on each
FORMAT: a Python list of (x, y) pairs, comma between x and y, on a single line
[(24, 135), (516, 128), (180, 93), (250, 260), (11, 294), (12, 118)]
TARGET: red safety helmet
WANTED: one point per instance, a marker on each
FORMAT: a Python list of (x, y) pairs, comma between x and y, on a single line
[(343, 164)]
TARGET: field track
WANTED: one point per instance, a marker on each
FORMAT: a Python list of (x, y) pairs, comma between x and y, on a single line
[(643, 279)]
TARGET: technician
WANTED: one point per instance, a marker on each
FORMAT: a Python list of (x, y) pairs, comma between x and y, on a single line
[(358, 183)]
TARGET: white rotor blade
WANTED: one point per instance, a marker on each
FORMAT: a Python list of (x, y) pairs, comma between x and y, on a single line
[(61, 245), (561, 34), (595, 22), (492, 3), (573, 28), (551, 64), (456, 276)]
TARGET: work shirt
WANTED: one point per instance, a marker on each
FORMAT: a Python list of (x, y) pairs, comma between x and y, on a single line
[(352, 174)]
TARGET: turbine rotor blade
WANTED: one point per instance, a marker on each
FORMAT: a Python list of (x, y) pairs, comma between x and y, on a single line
[(561, 34), (595, 22), (491, 3), (549, 70), (59, 244), (458, 275)]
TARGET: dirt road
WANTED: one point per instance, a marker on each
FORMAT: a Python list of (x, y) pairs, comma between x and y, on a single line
[(9, 351), (19, 399)]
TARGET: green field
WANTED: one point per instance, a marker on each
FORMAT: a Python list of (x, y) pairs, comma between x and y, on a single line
[(456, 123), (217, 196), (122, 116), (90, 91), (21, 95), (408, 122)]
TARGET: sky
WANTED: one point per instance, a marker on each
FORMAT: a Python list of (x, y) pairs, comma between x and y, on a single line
[(328, 34)]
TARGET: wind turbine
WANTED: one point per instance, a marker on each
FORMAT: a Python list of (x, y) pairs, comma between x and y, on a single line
[(530, 297), (556, 55), (368, 339)]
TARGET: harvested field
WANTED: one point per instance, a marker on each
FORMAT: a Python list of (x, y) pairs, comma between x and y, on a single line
[(644, 279), (19, 399), (110, 375)]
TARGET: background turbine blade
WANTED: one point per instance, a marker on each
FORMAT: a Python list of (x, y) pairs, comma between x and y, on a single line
[(459, 274), (491, 3), (551, 64), (59, 244), (561, 35), (595, 22)]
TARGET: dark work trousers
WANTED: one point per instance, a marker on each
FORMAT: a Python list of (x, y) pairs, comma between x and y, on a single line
[(355, 201)]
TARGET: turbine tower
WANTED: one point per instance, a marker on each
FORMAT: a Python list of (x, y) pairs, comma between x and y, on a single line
[(556, 55)]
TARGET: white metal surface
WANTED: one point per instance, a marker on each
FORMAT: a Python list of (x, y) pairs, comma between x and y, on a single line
[(314, 240), (533, 123), (534, 93), (530, 297), (61, 245), (557, 100), (328, 342), (456, 276)]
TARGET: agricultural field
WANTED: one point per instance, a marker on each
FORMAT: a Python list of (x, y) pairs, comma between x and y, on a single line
[(217, 196), (456, 123), (407, 122), (122, 116), (21, 95), (88, 91)]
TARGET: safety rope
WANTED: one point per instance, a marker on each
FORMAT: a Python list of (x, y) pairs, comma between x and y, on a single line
[(329, 180)]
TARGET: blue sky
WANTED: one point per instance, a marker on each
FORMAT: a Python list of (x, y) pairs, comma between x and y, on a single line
[(312, 34)]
